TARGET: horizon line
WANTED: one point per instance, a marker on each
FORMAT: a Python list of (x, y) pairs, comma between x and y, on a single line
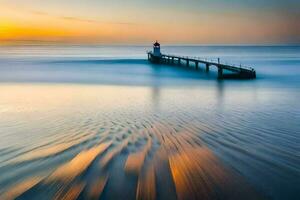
[(49, 43)]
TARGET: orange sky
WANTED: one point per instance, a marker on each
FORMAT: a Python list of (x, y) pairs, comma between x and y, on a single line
[(30, 23)]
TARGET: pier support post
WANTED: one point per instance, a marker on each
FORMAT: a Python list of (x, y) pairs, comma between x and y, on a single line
[(220, 73), (207, 67), (239, 72)]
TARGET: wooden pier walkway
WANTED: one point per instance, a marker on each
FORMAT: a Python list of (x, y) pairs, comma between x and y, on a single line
[(238, 72)]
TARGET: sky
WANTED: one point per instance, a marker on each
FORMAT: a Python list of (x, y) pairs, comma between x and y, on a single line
[(143, 21)]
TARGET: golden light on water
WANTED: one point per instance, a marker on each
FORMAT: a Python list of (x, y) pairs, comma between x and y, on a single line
[(20, 188), (78, 164), (110, 148)]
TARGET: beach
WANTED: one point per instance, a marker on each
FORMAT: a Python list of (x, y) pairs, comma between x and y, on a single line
[(101, 122)]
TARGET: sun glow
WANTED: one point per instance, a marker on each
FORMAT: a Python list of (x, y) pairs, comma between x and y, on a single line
[(141, 24)]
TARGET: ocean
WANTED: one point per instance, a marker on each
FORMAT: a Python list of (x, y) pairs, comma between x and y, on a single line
[(101, 122)]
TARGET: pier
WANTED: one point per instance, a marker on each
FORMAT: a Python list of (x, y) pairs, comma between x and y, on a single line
[(237, 72)]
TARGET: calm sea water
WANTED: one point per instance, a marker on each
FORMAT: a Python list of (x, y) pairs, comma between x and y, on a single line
[(100, 122)]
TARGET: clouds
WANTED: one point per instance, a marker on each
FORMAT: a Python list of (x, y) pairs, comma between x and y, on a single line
[(171, 21), (78, 19)]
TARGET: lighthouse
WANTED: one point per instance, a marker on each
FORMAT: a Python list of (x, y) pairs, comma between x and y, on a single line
[(156, 49), (155, 56)]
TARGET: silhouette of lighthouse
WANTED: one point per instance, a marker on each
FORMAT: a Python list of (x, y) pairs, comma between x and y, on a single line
[(156, 49)]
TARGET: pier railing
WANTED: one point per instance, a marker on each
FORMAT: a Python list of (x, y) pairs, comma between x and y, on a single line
[(243, 71), (208, 60)]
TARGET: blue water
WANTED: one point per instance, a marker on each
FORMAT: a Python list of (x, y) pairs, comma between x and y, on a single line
[(102, 122), (274, 64)]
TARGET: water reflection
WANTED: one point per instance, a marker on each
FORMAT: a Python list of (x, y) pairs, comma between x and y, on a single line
[(85, 145)]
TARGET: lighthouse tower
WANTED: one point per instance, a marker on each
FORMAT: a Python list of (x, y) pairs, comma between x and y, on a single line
[(156, 49)]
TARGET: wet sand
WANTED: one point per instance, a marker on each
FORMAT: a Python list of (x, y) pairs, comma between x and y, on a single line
[(83, 144)]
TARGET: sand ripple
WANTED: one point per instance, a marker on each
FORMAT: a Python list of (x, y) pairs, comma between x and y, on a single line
[(95, 149)]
